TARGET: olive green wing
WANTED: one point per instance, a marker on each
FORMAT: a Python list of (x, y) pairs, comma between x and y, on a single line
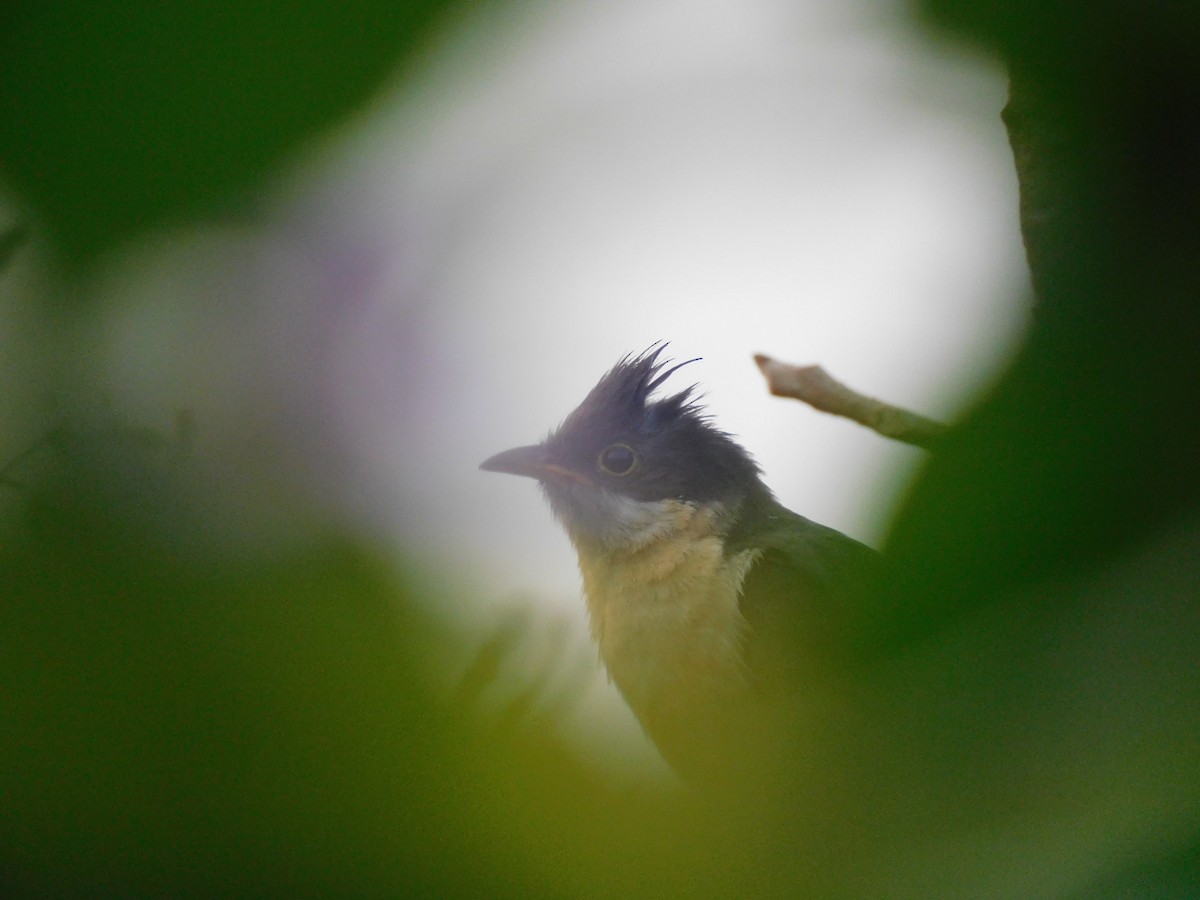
[(802, 599)]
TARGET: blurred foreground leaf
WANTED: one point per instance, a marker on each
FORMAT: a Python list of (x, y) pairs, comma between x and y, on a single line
[(178, 719), (118, 116)]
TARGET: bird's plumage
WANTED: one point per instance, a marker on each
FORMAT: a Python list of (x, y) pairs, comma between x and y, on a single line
[(801, 598), (707, 598)]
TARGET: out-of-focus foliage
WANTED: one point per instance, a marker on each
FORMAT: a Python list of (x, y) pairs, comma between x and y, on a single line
[(1055, 536), (118, 116), (1086, 445), (178, 721), (190, 709)]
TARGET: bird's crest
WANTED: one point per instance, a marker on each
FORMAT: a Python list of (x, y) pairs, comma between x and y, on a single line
[(621, 400)]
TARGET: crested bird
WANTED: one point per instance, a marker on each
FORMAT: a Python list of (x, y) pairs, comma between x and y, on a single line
[(711, 603)]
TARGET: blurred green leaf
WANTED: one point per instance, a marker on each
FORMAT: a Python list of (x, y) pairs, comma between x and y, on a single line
[(1087, 443), (118, 116)]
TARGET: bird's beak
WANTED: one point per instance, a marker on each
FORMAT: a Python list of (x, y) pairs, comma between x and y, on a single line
[(533, 462)]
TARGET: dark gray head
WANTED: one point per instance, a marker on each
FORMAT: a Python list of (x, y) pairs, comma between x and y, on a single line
[(623, 444)]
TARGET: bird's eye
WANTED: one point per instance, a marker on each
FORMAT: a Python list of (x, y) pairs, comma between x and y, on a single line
[(618, 459)]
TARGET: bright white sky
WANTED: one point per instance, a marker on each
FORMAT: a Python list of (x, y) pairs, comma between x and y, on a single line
[(568, 182)]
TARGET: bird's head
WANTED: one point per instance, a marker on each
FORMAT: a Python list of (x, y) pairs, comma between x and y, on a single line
[(623, 459)]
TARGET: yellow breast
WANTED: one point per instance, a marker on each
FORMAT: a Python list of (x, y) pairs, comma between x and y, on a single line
[(664, 613)]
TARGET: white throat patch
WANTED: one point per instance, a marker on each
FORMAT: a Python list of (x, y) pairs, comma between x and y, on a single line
[(612, 522)]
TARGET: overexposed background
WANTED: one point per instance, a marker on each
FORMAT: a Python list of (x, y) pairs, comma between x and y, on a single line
[(811, 180), (562, 184)]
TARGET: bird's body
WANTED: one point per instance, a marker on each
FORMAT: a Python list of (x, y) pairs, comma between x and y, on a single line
[(704, 594), (665, 616)]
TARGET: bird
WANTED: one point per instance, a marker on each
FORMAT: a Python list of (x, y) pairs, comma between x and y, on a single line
[(711, 603)]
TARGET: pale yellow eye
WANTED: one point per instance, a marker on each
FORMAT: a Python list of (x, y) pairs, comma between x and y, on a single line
[(617, 459)]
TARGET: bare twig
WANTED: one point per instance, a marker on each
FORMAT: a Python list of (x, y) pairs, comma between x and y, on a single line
[(822, 391)]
